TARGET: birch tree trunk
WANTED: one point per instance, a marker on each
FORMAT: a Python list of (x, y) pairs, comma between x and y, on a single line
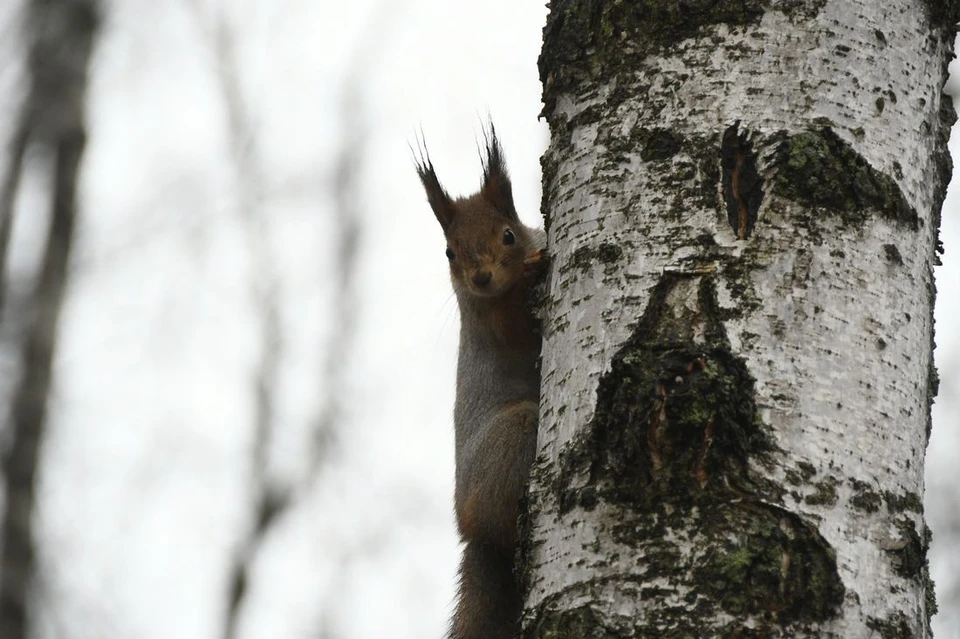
[(742, 201)]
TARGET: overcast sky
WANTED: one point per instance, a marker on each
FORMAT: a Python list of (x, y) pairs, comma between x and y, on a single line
[(145, 489)]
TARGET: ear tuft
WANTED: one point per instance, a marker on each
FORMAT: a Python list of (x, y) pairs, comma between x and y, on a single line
[(496, 187), (439, 201)]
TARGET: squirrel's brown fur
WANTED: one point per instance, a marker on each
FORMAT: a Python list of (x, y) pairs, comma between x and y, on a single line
[(494, 261)]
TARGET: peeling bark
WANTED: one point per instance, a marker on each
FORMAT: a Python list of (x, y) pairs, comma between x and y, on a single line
[(742, 201)]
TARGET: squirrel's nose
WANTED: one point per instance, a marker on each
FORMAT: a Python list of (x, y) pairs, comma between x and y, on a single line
[(482, 278)]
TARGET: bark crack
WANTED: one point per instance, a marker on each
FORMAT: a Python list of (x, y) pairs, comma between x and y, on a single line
[(742, 184), (741, 205)]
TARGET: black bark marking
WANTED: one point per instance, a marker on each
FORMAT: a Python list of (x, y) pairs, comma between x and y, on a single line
[(893, 627), (893, 254), (864, 497), (659, 144), (742, 184), (909, 557), (943, 16), (674, 431), (583, 39), (819, 170), (772, 565), (673, 414), (825, 493), (571, 624), (911, 502), (585, 256)]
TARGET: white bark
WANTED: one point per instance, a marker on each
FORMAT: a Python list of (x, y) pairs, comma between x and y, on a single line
[(827, 304)]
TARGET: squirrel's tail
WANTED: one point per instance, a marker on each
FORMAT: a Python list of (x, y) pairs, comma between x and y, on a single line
[(488, 604)]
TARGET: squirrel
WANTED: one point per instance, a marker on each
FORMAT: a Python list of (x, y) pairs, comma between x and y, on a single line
[(495, 261)]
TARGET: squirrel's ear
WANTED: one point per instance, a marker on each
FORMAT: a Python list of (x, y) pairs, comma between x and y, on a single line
[(496, 187), (439, 201)]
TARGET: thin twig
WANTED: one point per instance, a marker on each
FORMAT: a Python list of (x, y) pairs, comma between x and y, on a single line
[(348, 221), (11, 178), (269, 500), (8, 193)]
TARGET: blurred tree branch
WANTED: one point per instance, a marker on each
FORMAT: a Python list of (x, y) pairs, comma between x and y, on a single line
[(61, 35), (269, 499), (8, 192), (272, 500), (348, 218)]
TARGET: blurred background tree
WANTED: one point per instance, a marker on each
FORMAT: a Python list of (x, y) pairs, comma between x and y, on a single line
[(50, 122)]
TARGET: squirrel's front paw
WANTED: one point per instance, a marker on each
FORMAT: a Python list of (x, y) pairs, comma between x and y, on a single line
[(536, 263)]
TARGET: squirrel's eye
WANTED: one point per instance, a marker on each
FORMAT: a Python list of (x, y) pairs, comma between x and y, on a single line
[(508, 237), (449, 254)]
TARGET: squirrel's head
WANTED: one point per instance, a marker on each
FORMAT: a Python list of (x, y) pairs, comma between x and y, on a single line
[(486, 243)]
